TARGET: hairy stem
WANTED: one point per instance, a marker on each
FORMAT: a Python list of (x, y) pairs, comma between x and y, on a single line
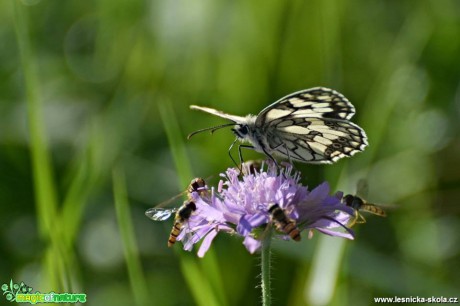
[(265, 275)]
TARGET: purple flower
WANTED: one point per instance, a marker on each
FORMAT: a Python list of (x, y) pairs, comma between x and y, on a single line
[(241, 206)]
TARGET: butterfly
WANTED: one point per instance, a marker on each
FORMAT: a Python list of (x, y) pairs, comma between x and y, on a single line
[(309, 126)]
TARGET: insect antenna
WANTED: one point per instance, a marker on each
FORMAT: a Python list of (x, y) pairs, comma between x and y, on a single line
[(212, 129)]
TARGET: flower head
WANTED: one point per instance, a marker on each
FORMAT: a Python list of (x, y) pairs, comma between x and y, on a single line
[(244, 205)]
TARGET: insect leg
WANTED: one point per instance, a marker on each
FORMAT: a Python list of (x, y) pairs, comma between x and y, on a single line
[(353, 220), (288, 155), (240, 155), (283, 145), (230, 154), (271, 157), (360, 219)]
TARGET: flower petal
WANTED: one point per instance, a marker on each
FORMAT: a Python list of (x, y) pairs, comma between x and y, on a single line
[(251, 244), (244, 227), (337, 233), (206, 243)]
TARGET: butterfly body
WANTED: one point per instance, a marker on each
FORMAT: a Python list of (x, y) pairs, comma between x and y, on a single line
[(310, 126)]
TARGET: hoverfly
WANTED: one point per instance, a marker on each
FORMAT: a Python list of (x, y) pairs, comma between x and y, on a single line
[(283, 223), (359, 204), (182, 213)]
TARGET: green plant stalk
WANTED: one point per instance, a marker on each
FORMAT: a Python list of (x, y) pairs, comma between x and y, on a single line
[(44, 187), (414, 35), (136, 276), (45, 194), (265, 270), (205, 290)]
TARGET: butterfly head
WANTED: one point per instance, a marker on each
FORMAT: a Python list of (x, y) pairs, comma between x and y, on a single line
[(241, 130)]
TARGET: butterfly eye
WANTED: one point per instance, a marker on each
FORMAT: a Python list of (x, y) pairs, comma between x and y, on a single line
[(241, 131)]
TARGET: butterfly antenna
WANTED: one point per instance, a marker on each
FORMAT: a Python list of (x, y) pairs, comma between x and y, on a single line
[(212, 129)]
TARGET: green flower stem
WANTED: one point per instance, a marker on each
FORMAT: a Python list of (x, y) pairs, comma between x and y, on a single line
[(265, 275)]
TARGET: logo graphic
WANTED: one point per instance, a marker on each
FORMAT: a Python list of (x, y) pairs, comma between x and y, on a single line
[(14, 289), (21, 293)]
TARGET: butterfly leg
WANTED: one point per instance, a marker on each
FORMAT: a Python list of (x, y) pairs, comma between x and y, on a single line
[(230, 154), (271, 157), (283, 145), (240, 155), (288, 155)]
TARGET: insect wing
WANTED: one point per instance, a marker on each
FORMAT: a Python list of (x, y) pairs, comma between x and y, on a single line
[(160, 214), (315, 140), (168, 201), (312, 126), (362, 188), (318, 102)]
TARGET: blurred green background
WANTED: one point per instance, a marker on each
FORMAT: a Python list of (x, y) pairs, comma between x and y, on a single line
[(90, 90)]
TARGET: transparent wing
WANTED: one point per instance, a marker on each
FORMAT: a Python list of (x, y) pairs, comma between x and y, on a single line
[(160, 214), (315, 140), (318, 102), (236, 119), (168, 201), (362, 188)]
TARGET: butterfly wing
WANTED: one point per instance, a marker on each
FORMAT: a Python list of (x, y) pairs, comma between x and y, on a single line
[(317, 102), (316, 140), (312, 126), (215, 112)]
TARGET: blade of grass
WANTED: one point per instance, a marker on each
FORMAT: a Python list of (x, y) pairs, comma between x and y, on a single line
[(42, 173), (87, 174), (136, 276), (377, 113), (174, 135), (45, 194), (205, 291)]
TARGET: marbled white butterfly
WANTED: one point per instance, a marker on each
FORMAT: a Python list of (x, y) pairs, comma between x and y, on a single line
[(310, 126)]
